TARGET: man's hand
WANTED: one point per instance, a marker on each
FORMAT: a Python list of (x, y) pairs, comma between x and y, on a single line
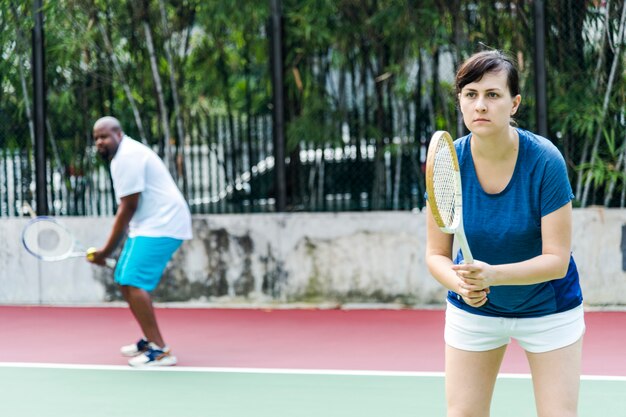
[(96, 256)]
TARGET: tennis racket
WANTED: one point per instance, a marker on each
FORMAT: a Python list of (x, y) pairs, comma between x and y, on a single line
[(48, 240), (443, 185)]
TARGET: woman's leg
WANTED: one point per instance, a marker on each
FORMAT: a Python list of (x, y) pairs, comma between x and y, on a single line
[(470, 380), (556, 380)]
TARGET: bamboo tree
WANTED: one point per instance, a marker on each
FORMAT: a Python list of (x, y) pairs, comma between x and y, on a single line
[(156, 78), (596, 80), (19, 42), (613, 181), (180, 160), (607, 95), (125, 85), (622, 156)]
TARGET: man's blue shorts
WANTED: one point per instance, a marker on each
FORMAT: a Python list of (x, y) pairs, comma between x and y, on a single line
[(143, 260)]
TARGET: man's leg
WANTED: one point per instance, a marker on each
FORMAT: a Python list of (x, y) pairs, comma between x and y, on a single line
[(140, 304)]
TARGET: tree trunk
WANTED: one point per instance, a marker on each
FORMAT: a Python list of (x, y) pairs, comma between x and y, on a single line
[(232, 153), (435, 88), (249, 117), (20, 40), (459, 42), (180, 157), (125, 86), (59, 167), (611, 188), (163, 111)]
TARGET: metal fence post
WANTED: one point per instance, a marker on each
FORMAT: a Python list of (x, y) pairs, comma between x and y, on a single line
[(39, 104), (540, 68), (279, 105)]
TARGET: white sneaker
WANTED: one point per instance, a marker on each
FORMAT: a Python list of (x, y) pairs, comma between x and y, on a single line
[(136, 348), (154, 356)]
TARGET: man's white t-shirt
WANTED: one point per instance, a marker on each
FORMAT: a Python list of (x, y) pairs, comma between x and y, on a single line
[(162, 210)]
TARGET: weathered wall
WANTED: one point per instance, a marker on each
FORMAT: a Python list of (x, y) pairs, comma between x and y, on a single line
[(309, 257)]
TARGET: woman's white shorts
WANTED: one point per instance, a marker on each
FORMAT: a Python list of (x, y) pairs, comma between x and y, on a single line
[(473, 332)]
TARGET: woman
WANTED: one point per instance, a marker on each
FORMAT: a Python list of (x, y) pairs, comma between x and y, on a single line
[(524, 283)]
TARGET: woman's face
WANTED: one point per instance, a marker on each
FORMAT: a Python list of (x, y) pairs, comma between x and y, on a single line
[(487, 105)]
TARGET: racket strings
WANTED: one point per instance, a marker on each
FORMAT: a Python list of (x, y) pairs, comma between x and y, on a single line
[(444, 183), (48, 240)]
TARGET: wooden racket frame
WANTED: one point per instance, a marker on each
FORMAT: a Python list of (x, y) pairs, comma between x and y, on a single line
[(457, 227), (430, 166)]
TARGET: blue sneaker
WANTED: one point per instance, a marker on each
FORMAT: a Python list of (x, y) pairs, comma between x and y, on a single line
[(136, 348), (154, 356)]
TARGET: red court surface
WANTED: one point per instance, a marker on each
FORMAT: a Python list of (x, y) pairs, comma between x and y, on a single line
[(386, 340)]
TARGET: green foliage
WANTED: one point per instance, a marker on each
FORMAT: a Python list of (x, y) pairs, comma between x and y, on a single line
[(315, 125), (382, 67)]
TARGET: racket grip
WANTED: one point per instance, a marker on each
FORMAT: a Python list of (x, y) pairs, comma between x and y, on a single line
[(109, 262)]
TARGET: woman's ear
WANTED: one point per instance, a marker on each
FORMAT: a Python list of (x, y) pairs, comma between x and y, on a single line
[(516, 102)]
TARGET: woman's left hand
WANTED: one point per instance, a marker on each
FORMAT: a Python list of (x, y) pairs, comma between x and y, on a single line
[(476, 276)]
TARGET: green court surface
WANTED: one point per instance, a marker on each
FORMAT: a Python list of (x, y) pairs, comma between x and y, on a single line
[(33, 391)]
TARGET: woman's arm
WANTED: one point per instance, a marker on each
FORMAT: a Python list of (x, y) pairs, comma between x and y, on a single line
[(556, 236), (440, 265)]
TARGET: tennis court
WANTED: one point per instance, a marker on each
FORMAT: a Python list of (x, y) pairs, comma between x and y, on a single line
[(268, 362)]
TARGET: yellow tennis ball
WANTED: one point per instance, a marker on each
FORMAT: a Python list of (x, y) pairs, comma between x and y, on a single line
[(90, 253)]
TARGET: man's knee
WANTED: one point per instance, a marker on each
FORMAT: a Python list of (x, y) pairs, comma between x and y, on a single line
[(130, 291)]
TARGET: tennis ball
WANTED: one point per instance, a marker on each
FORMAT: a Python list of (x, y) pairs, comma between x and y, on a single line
[(90, 253)]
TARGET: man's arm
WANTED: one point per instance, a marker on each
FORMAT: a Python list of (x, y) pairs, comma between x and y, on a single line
[(125, 212)]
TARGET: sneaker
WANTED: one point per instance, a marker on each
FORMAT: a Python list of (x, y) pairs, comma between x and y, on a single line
[(154, 356), (135, 349)]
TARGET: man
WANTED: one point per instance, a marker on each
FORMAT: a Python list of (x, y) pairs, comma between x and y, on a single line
[(157, 217)]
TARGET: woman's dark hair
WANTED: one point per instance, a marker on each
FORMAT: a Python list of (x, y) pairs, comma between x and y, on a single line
[(481, 63)]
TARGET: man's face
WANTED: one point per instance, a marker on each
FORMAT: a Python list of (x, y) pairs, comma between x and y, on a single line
[(107, 139)]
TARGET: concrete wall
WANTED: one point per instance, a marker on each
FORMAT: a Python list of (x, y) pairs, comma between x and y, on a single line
[(302, 257)]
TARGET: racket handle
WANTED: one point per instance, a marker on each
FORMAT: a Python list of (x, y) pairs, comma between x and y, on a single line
[(109, 262), (467, 253)]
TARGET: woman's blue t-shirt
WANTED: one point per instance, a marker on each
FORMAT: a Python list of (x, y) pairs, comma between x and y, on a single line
[(506, 227)]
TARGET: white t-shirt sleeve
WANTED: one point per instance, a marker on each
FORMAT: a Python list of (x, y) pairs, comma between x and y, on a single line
[(129, 177)]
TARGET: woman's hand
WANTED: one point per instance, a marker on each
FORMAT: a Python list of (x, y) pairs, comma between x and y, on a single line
[(474, 282)]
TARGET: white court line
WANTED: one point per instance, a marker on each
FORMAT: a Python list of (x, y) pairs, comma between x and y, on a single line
[(282, 371), (217, 369)]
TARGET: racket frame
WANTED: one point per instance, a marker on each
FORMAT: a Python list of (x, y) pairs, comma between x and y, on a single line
[(76, 249), (456, 228)]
